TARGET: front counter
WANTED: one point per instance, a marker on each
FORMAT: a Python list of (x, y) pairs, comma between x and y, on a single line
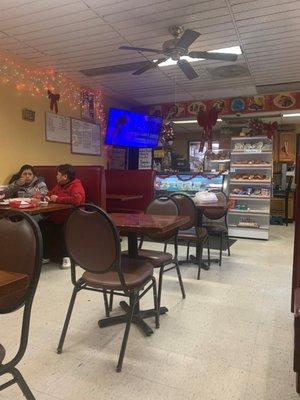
[(189, 183)]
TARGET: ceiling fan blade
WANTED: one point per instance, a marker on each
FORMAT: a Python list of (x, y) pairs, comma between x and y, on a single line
[(187, 69), (149, 65), (187, 38), (140, 49), (213, 56)]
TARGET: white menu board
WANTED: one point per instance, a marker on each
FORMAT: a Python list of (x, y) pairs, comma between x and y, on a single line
[(86, 137), (145, 158), (58, 128)]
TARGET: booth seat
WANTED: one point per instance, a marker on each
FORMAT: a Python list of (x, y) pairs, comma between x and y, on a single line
[(131, 182), (92, 178)]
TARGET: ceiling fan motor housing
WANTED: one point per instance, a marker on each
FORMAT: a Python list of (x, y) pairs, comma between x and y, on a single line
[(170, 49)]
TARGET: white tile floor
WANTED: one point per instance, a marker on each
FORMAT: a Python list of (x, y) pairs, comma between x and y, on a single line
[(231, 339)]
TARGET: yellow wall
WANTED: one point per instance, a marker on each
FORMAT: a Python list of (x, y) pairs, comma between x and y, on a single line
[(23, 142)]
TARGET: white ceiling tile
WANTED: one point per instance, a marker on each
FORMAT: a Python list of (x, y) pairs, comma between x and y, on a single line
[(50, 23)]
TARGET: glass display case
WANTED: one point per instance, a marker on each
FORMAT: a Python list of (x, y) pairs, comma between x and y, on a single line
[(188, 182)]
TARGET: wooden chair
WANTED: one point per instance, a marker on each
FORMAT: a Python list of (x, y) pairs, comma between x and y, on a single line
[(93, 243), (21, 253)]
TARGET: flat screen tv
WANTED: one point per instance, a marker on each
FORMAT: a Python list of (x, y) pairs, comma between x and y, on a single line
[(131, 129)]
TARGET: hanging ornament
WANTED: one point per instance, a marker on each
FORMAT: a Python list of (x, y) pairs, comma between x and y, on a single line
[(270, 128), (167, 133), (207, 120), (54, 98), (256, 126)]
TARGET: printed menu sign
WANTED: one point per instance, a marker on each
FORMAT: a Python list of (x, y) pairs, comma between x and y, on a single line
[(58, 128), (145, 158), (86, 137)]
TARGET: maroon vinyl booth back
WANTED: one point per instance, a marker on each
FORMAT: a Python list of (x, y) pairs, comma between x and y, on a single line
[(135, 182), (92, 178)]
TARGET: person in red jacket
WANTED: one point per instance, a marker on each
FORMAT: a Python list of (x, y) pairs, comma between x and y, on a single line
[(69, 190)]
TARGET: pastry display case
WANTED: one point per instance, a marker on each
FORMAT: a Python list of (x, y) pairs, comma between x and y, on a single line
[(250, 187), (189, 183)]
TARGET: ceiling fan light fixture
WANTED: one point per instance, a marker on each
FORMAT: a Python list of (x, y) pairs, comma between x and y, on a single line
[(228, 50)]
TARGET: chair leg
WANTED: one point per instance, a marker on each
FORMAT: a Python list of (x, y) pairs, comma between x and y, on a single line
[(297, 382), (180, 279), (199, 257), (155, 303), (111, 299), (106, 303), (228, 245), (133, 300), (208, 251), (160, 280), (165, 247), (188, 251), (221, 249), (22, 383), (67, 320)]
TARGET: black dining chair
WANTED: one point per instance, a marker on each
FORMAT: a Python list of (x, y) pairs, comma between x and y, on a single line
[(216, 223), (163, 205), (21, 253), (93, 243), (190, 232)]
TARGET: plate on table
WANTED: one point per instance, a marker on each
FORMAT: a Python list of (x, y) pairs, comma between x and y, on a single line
[(27, 199), (4, 202)]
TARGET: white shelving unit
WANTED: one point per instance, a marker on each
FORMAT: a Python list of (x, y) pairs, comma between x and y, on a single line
[(250, 187)]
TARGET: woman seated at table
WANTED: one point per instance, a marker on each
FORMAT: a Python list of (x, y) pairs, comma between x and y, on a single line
[(26, 184), (69, 190)]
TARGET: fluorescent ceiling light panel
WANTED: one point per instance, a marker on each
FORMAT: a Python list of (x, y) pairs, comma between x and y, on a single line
[(191, 121), (291, 115), (228, 50)]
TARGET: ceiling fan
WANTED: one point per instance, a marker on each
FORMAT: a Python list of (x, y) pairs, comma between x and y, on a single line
[(178, 47)]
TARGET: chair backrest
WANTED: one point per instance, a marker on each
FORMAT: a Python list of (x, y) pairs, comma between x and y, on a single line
[(20, 253), (162, 205), (217, 213), (186, 207), (92, 239)]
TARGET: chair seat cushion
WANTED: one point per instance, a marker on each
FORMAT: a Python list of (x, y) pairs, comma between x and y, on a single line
[(192, 235), (2, 353), (216, 229), (157, 258), (136, 273)]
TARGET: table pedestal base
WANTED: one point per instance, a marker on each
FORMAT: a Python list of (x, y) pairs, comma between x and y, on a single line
[(138, 318)]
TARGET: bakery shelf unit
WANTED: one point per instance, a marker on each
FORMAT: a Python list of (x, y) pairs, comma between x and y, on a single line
[(217, 160), (250, 187)]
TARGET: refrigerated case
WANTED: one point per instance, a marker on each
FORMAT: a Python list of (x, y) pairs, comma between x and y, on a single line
[(188, 183)]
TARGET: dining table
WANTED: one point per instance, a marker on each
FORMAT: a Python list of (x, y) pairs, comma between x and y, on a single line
[(51, 207), (123, 197), (12, 283), (133, 225)]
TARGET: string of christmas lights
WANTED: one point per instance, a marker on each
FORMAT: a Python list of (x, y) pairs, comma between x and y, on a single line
[(36, 82)]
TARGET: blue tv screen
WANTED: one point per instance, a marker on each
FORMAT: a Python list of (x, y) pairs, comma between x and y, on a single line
[(131, 129)]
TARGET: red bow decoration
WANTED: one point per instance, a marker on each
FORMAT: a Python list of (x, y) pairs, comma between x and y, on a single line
[(54, 98), (270, 129), (207, 119)]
